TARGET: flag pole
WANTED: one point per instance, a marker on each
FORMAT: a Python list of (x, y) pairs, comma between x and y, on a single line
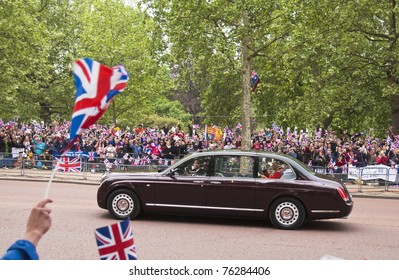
[(50, 181), (53, 174), (91, 109)]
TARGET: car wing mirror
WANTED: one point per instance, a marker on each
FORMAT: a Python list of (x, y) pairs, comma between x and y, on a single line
[(172, 173)]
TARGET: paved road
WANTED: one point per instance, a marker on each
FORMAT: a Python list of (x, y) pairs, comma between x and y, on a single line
[(371, 231)]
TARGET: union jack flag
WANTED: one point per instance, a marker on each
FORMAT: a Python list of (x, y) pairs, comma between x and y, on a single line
[(65, 164), (276, 128), (96, 85), (116, 242), (145, 160), (345, 168), (91, 156)]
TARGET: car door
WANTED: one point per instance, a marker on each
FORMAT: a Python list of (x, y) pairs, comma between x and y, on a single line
[(181, 190), (269, 186), (230, 190)]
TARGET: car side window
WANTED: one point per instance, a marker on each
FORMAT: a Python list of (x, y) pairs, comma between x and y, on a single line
[(270, 168), (195, 167), (234, 166)]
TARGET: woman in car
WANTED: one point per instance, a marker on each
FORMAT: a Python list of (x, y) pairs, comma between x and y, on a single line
[(277, 172), (265, 174)]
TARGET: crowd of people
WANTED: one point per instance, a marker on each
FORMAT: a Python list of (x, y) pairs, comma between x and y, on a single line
[(322, 148)]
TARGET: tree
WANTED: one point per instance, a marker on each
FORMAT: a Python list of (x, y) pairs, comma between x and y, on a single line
[(237, 32), (314, 80), (375, 45), (23, 51)]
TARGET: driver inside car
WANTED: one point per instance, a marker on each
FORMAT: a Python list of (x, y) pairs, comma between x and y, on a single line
[(196, 169), (196, 166)]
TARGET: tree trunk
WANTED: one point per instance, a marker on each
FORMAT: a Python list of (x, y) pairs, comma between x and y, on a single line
[(246, 91)]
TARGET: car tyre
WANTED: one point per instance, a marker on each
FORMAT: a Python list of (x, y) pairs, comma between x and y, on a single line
[(123, 204), (287, 213)]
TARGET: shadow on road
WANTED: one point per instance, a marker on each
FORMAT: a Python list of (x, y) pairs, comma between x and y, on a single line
[(321, 225)]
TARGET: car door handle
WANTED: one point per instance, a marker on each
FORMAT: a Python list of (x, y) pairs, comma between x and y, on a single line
[(199, 182), (216, 183)]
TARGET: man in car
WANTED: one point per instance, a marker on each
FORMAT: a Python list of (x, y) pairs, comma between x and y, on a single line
[(196, 166), (196, 169)]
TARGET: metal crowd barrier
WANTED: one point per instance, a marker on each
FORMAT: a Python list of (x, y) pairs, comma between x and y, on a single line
[(81, 168), (375, 175), (379, 176), (17, 165)]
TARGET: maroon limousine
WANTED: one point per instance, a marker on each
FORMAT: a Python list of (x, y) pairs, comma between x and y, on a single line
[(230, 183)]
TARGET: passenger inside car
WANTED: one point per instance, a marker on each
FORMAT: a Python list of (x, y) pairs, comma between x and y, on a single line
[(276, 172), (265, 174)]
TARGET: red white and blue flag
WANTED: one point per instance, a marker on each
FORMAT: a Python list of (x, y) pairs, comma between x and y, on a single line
[(116, 242), (66, 164), (96, 85), (276, 128), (91, 156)]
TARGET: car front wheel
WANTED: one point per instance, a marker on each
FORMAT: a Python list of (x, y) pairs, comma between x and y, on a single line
[(287, 213), (123, 204)]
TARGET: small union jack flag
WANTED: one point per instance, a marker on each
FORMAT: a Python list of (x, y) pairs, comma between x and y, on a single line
[(276, 128), (96, 85), (91, 156), (65, 164), (116, 242), (345, 168)]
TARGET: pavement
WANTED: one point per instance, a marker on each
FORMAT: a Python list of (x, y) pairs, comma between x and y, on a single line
[(367, 189)]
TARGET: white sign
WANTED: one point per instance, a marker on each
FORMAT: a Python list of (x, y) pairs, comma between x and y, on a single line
[(373, 172), (16, 152)]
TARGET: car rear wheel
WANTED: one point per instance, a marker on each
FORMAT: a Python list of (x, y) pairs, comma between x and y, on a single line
[(287, 213), (123, 204)]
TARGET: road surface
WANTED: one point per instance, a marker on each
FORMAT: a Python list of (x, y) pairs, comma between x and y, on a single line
[(371, 231)]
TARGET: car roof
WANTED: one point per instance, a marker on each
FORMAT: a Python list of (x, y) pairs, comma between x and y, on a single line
[(239, 152)]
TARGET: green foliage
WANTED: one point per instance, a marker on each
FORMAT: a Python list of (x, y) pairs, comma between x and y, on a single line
[(173, 109), (159, 121), (43, 38), (326, 63)]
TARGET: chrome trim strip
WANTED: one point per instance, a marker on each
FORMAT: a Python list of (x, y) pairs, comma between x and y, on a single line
[(204, 207), (325, 211)]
